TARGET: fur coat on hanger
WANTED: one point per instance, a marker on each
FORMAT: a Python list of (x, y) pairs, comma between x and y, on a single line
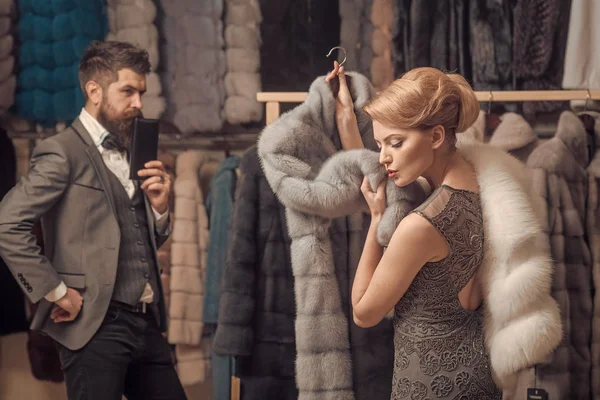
[(334, 356), (193, 64), (242, 80), (559, 167), (188, 266), (52, 37), (133, 22)]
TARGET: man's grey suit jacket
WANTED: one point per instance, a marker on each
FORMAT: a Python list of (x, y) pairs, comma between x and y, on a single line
[(67, 187)]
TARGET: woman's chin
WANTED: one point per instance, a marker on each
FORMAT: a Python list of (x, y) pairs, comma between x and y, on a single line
[(402, 182)]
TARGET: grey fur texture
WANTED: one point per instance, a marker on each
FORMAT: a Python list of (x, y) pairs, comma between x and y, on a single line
[(300, 156)]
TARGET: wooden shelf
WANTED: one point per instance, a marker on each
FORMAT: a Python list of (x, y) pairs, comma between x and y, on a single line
[(483, 96)]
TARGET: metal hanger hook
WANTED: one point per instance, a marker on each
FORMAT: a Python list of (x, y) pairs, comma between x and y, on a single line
[(489, 110), (342, 49)]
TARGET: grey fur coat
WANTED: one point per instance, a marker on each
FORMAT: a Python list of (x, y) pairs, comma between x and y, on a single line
[(560, 177), (335, 359)]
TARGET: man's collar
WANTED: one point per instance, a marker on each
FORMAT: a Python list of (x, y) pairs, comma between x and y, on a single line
[(94, 128)]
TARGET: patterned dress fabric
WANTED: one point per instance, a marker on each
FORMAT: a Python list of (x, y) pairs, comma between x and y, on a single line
[(439, 345)]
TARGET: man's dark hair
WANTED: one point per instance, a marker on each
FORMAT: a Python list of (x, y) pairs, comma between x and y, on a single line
[(102, 60)]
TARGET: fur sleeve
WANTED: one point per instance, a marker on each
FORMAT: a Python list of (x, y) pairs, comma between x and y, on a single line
[(335, 191)]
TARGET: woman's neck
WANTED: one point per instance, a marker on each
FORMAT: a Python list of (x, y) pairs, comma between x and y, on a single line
[(445, 164)]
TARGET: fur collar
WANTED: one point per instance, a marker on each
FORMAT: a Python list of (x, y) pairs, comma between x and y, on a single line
[(522, 322)]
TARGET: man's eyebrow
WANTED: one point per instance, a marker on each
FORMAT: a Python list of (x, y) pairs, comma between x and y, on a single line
[(126, 87)]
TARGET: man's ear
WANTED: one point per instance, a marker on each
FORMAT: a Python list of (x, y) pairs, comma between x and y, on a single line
[(438, 135), (94, 92)]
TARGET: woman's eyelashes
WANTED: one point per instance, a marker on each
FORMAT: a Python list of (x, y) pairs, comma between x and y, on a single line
[(393, 145)]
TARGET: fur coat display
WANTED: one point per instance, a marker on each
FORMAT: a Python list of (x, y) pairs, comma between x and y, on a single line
[(593, 240), (560, 178), (133, 22), (52, 38), (356, 32), (491, 44), (219, 206), (257, 306), (242, 80), (8, 80), (437, 35), (539, 44), (384, 19), (513, 134), (582, 55), (188, 262), (335, 359), (193, 64)]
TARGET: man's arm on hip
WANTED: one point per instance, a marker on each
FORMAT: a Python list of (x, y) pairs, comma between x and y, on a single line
[(32, 197)]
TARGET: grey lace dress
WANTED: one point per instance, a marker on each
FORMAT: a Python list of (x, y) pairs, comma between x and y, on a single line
[(439, 348)]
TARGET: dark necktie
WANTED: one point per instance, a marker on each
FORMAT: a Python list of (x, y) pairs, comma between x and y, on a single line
[(113, 142)]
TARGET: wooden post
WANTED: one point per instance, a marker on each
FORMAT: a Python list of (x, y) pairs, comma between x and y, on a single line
[(235, 388), (273, 111)]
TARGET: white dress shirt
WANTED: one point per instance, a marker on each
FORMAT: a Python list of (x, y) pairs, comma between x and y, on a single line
[(117, 163)]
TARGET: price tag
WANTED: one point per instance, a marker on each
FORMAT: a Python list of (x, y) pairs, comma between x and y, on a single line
[(536, 394)]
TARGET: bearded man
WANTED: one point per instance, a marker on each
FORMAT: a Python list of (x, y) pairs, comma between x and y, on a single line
[(99, 279)]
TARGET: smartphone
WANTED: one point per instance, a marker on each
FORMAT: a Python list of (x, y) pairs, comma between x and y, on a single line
[(144, 145)]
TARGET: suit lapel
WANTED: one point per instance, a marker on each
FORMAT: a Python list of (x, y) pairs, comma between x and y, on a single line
[(97, 162)]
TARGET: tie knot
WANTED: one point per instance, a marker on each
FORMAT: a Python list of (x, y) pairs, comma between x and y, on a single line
[(113, 142)]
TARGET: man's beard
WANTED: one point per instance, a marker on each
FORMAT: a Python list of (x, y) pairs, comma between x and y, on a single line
[(120, 127)]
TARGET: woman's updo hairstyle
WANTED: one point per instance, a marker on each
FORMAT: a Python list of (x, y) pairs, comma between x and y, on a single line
[(426, 97)]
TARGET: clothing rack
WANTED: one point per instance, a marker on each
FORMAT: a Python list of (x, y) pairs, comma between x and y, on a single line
[(274, 99)]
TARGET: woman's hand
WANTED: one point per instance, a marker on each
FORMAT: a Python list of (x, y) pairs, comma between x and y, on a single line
[(375, 200), (344, 111), (344, 106)]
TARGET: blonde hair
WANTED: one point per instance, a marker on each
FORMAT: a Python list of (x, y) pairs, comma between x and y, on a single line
[(426, 97)]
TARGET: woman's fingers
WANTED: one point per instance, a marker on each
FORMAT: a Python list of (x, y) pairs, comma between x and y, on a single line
[(334, 73)]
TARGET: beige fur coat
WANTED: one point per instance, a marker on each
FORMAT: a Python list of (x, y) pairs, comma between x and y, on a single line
[(522, 320), (188, 263)]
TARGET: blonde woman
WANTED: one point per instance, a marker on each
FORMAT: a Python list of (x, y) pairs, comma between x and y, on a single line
[(428, 273)]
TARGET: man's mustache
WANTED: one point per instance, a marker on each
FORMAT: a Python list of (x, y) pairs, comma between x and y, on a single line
[(135, 114)]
